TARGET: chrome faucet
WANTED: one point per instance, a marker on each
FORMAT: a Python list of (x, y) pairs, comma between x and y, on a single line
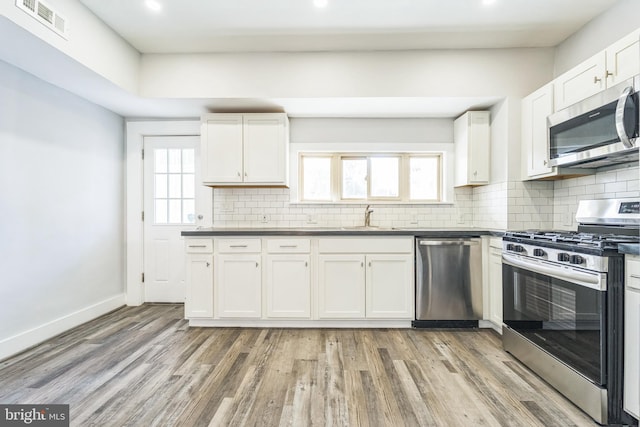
[(367, 216)]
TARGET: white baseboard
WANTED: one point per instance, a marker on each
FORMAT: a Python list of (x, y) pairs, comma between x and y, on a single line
[(24, 340), (303, 323)]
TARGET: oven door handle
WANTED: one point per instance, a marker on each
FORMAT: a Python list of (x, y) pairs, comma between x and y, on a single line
[(597, 281), (620, 110)]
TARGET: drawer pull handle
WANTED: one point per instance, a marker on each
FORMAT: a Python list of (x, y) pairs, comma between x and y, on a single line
[(306, 264), (197, 246), (256, 265), (288, 246), (237, 246), (208, 264)]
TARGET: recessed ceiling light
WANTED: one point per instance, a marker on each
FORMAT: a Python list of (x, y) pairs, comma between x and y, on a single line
[(320, 3), (154, 5)]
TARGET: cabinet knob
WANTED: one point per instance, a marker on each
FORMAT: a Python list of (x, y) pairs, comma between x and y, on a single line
[(256, 265), (239, 174), (608, 74), (596, 79), (544, 162), (208, 264), (306, 264), (245, 174), (362, 264), (369, 263)]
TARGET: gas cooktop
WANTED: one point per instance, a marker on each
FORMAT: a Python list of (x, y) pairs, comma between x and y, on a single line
[(584, 239)]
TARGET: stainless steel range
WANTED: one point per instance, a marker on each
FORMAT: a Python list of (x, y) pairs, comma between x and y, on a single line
[(563, 304)]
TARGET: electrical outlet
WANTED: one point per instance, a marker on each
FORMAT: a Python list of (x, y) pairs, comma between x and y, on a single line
[(568, 219), (264, 218)]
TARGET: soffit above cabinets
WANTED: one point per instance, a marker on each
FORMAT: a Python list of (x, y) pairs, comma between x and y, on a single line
[(296, 25)]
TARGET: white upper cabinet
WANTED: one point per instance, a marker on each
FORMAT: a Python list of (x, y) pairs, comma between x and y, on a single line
[(535, 109), (471, 134), (615, 64), (245, 150)]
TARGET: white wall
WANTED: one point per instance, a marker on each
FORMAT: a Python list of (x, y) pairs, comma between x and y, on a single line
[(615, 23), (61, 207), (428, 73)]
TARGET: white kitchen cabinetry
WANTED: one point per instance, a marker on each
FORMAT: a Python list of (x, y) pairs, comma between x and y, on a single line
[(288, 278), (385, 298), (238, 278), (632, 336), (472, 141), (618, 62), (365, 278), (199, 277), (245, 150), (495, 281), (341, 286)]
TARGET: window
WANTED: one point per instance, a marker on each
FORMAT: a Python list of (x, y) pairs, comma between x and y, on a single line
[(393, 177), (174, 186)]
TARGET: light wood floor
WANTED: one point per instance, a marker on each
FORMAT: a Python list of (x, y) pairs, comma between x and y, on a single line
[(143, 366)]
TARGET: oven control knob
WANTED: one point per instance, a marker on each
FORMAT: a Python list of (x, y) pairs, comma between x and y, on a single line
[(563, 256), (518, 248), (539, 252), (510, 246), (576, 259)]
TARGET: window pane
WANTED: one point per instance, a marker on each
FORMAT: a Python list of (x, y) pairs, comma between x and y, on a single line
[(385, 177), (175, 183), (188, 160), (175, 211), (175, 161), (160, 186), (188, 211), (316, 179), (188, 186), (423, 178), (160, 160), (160, 216), (354, 178)]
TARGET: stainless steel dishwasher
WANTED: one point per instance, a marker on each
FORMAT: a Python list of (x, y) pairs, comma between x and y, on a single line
[(448, 282)]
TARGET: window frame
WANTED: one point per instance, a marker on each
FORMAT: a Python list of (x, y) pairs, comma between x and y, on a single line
[(404, 177)]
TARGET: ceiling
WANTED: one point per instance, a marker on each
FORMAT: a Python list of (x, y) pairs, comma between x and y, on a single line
[(189, 26), (296, 25)]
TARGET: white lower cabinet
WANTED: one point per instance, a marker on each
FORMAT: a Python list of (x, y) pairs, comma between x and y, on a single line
[(288, 286), (238, 283), (341, 286), (386, 293), (198, 301), (199, 298), (495, 282), (632, 336)]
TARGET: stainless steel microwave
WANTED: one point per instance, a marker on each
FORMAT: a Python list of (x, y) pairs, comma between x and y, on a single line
[(598, 131)]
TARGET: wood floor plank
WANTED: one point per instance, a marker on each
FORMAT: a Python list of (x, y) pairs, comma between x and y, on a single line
[(145, 366)]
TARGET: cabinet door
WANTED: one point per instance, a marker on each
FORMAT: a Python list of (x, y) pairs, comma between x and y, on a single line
[(535, 109), (222, 149), (479, 146), (341, 287), (238, 286), (495, 286), (580, 82), (288, 286), (390, 286), (623, 61), (199, 298), (265, 150)]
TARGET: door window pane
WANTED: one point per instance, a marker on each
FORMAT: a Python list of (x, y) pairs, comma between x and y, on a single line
[(385, 177), (424, 178), (316, 178), (354, 178), (174, 192)]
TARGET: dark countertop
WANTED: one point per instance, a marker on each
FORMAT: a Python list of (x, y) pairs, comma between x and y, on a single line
[(629, 248), (341, 231)]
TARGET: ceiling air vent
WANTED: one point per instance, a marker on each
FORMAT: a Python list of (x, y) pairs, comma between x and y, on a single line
[(44, 14)]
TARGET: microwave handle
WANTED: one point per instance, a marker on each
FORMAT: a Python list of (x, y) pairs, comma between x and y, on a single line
[(622, 133)]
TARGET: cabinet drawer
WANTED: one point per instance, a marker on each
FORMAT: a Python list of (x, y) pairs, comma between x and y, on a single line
[(198, 246), (279, 246), (496, 242), (368, 246), (632, 279), (239, 245)]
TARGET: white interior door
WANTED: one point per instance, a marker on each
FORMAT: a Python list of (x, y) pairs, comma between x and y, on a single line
[(174, 200)]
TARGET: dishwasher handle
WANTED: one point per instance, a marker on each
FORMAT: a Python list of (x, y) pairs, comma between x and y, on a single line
[(448, 242)]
